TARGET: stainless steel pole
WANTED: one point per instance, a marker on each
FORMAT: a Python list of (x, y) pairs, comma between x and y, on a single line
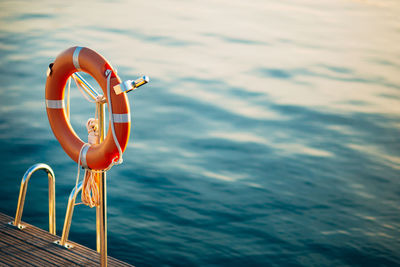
[(103, 220), (101, 210)]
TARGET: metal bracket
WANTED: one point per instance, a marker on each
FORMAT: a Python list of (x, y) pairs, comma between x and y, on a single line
[(130, 85), (19, 226), (67, 245)]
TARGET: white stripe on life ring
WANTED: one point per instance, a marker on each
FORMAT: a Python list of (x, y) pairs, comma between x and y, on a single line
[(75, 58), (57, 104), (83, 156), (122, 118)]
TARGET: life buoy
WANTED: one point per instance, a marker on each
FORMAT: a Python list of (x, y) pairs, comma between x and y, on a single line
[(97, 156)]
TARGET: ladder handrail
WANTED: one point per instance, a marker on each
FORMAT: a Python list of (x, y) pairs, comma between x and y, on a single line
[(52, 196), (68, 216)]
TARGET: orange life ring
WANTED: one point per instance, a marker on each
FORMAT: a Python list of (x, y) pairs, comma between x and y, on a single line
[(99, 156)]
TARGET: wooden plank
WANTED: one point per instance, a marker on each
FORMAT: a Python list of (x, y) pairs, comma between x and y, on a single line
[(34, 246), (48, 248), (29, 251), (27, 254), (46, 245), (81, 254), (9, 260)]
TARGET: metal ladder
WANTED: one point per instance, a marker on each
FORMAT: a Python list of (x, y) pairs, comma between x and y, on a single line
[(52, 203)]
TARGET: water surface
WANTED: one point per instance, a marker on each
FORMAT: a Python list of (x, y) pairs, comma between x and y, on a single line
[(268, 136)]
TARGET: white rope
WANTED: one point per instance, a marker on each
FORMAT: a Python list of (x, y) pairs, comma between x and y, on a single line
[(120, 160), (108, 74), (92, 126), (79, 165), (90, 195), (90, 190)]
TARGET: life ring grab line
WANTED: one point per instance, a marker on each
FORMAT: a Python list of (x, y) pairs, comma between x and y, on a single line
[(98, 156)]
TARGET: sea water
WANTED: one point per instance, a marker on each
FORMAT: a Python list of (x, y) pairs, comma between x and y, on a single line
[(268, 135)]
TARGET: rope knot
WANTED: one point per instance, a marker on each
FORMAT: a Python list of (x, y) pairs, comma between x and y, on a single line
[(92, 126), (100, 99)]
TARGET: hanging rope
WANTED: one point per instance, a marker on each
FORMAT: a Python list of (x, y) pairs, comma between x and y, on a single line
[(90, 185), (90, 188)]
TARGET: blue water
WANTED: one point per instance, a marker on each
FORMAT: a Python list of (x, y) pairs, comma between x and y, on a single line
[(268, 136)]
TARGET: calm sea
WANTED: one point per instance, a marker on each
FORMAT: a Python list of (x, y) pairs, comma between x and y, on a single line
[(268, 136)]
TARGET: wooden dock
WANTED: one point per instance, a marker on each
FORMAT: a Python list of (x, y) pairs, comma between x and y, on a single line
[(35, 247)]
